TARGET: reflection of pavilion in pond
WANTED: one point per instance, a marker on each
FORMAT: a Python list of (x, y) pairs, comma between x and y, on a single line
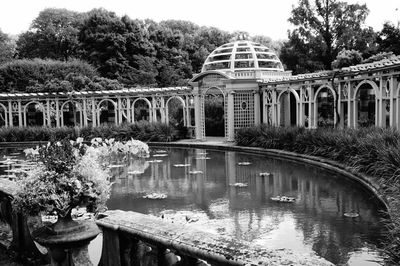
[(322, 199), (252, 85)]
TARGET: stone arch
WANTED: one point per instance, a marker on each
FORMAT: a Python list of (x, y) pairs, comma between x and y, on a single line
[(365, 108), (99, 111), (208, 128), (366, 81), (179, 98), (36, 116), (149, 109), (325, 117), (289, 116), (79, 109), (3, 115)]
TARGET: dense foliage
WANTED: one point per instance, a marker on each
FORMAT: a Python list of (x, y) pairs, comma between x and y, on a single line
[(134, 52), (347, 58), (53, 34), (29, 75), (322, 29), (372, 151), (143, 131), (7, 48)]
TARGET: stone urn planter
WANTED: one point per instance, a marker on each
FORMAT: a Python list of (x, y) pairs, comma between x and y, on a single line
[(67, 175), (67, 240)]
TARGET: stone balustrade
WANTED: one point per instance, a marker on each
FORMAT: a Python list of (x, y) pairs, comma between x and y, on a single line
[(21, 242), (131, 238)]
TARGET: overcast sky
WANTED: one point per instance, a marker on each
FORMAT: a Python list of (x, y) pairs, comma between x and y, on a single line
[(264, 17)]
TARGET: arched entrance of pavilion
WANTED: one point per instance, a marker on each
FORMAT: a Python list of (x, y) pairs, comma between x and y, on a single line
[(175, 111), (34, 114), (325, 100), (365, 104), (71, 114), (288, 102), (141, 110), (214, 107)]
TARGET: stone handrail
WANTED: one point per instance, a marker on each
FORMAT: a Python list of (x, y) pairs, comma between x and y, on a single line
[(131, 238)]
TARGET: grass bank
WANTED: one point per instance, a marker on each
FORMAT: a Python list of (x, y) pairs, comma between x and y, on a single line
[(371, 151), (143, 131)]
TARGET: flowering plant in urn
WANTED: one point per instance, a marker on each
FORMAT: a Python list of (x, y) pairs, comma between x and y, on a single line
[(67, 174)]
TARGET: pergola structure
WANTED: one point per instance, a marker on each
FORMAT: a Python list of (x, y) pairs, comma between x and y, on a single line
[(254, 88), (356, 96), (93, 107)]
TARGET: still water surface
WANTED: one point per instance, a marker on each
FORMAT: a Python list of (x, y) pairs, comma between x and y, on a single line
[(200, 192), (199, 187)]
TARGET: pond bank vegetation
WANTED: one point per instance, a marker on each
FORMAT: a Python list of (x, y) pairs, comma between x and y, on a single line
[(372, 151)]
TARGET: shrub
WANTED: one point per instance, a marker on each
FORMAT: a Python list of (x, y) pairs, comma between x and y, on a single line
[(142, 130)]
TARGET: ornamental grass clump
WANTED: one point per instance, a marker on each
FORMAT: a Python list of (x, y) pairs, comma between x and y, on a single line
[(67, 174)]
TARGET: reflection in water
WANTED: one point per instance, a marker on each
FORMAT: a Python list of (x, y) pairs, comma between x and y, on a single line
[(199, 194), (314, 223)]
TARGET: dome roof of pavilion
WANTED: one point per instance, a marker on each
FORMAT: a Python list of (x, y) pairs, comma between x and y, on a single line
[(242, 56)]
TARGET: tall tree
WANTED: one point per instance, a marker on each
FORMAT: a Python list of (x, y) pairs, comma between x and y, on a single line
[(322, 29), (7, 48), (53, 34), (389, 38)]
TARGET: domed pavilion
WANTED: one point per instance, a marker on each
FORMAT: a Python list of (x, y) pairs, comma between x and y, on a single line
[(233, 71)]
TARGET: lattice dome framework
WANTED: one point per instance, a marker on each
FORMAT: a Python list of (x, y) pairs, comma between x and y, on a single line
[(242, 56)]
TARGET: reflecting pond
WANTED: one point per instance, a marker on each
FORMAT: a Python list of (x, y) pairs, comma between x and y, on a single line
[(223, 192), (229, 193)]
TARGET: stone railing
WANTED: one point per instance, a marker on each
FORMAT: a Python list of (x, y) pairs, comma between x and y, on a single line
[(131, 238)]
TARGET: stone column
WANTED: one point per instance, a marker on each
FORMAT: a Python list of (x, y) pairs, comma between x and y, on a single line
[(20, 120), (231, 117), (119, 108), (48, 112), (94, 113), (392, 101), (128, 110), (197, 117), (257, 115), (57, 112), (350, 110), (10, 114), (84, 111)]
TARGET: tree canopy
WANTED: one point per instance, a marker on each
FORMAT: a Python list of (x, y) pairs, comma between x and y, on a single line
[(53, 34), (7, 48), (147, 53), (322, 29)]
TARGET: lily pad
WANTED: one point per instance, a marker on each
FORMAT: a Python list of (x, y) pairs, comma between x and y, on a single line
[(244, 163), (181, 165), (239, 185), (135, 172), (265, 174), (116, 166), (195, 172), (155, 196), (351, 214), (155, 161), (160, 155)]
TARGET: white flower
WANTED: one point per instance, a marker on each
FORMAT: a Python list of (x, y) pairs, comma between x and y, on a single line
[(78, 184), (58, 144), (79, 140)]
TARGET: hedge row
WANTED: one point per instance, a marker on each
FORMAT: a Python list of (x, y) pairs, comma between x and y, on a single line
[(143, 131)]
